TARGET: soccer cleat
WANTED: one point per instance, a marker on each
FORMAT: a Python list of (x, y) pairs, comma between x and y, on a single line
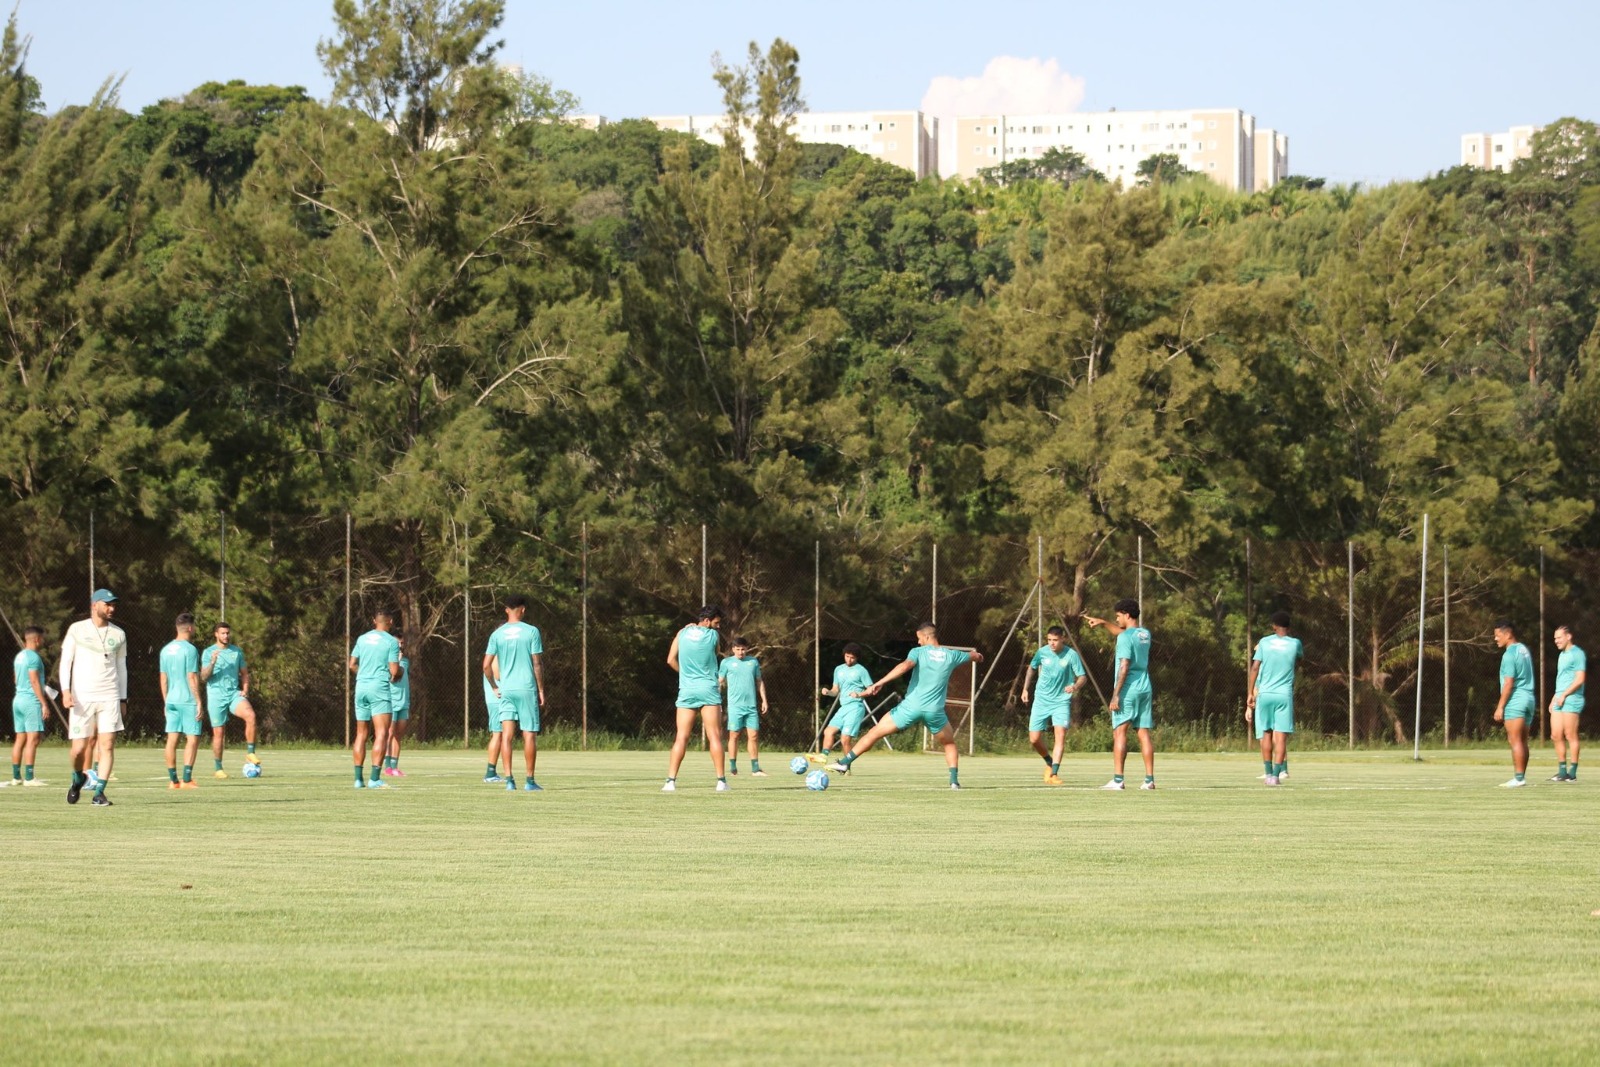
[(396, 772), (1113, 785), (360, 784), (188, 785), (101, 801), (1556, 778), (722, 787), (1147, 785), (812, 757), (955, 785), (531, 786), (1283, 776), (670, 787), (391, 772), (1270, 779), (251, 757), (758, 774), (838, 768), (492, 779), (219, 774), (377, 785), (10, 781), (1515, 783), (511, 785), (174, 785), (33, 783), (73, 792), (1053, 779), (733, 770)]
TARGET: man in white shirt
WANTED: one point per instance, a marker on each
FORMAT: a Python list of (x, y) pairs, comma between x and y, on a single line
[(94, 690)]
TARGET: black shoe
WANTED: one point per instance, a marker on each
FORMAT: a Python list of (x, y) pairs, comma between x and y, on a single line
[(100, 801), (73, 793)]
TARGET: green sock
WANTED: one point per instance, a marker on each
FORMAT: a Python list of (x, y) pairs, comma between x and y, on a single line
[(849, 758), (1572, 771), (1045, 758), (827, 751), (1563, 771), (172, 775), (1055, 768), (78, 778), (1521, 776), (27, 771), (359, 779), (101, 788), (377, 768), (1272, 768), (755, 765), (953, 773), (218, 763), (188, 772), (733, 765), (250, 747), (1117, 778), (1283, 768), (488, 770), (1149, 777), (16, 771)]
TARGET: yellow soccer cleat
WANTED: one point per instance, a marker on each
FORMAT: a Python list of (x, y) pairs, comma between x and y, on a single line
[(219, 774), (1053, 779), (250, 757), (174, 785)]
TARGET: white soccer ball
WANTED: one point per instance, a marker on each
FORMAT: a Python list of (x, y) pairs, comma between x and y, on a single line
[(817, 781), (799, 764), (252, 770)]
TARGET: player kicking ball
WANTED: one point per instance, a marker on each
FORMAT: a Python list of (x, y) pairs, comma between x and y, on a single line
[(227, 678), (930, 665), (1516, 703), (29, 707), (1131, 697), (1572, 670), (740, 675), (180, 696), (513, 665), (1060, 671), (693, 654), (1271, 703), (850, 680), (375, 661)]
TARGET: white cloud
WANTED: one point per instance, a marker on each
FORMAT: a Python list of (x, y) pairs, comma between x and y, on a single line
[(1008, 85)]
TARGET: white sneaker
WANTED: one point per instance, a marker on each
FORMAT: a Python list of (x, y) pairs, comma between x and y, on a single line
[(34, 783), (1515, 783), (1113, 784), (1284, 777), (1147, 785), (1270, 780), (10, 781), (838, 768), (670, 787), (722, 787), (955, 785)]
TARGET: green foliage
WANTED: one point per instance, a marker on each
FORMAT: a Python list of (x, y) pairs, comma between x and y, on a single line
[(1161, 167)]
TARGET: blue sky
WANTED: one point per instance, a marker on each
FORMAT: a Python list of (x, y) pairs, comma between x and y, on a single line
[(1367, 91)]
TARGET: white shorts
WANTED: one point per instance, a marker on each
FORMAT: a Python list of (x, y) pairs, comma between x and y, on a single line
[(94, 717)]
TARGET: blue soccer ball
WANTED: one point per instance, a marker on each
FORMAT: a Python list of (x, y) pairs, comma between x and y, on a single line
[(252, 770), (799, 764), (817, 781)]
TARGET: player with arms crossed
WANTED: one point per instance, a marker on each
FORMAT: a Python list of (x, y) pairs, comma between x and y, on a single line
[(180, 696), (1572, 671), (694, 656), (513, 666), (850, 680), (227, 679), (1061, 674), (930, 665), (29, 707), (1516, 704), (1271, 703), (94, 689), (375, 661), (400, 705), (1131, 697), (740, 674)]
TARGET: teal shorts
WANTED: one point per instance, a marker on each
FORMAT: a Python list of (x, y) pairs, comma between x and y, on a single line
[(1573, 705), (401, 712), (27, 717), (372, 702), (744, 719), (492, 703), (1275, 712), (520, 706), (934, 720), (1135, 709), (1519, 707), (699, 698), (847, 720), (183, 719), (1049, 714), (220, 706)]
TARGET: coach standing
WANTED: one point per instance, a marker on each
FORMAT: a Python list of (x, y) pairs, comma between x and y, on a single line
[(94, 689)]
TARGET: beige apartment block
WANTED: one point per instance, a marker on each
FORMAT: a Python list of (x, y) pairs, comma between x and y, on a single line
[(1497, 151), (907, 139), (1222, 144)]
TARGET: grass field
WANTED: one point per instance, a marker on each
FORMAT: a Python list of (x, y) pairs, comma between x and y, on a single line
[(1371, 910)]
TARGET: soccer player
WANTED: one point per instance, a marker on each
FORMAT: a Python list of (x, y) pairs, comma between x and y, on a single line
[(1131, 697), (850, 680), (1572, 670), (227, 679), (1271, 702), (1061, 674), (740, 674), (930, 665), (694, 656), (29, 707), (1515, 707), (375, 661), (400, 703), (94, 690), (180, 695), (514, 667), (491, 703)]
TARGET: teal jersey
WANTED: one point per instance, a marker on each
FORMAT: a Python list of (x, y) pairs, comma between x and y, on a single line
[(1277, 656), (1133, 645), (849, 680), (1568, 664), (179, 659), (697, 657), (226, 670), (513, 646), (1057, 670), (373, 653), (400, 692), (1517, 664), (932, 666), (741, 676), (27, 660)]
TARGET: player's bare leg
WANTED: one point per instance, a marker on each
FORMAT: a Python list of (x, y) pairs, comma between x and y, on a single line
[(217, 741), (1119, 749), (864, 745), (1517, 737), (492, 755), (105, 750), (530, 750), (396, 736), (711, 715), (1060, 745), (752, 743), (247, 711), (680, 743), (830, 736), (1147, 749), (172, 758), (380, 745), (1036, 739), (946, 739), (358, 750)]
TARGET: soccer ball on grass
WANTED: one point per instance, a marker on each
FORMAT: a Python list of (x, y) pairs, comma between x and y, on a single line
[(252, 770), (817, 781)]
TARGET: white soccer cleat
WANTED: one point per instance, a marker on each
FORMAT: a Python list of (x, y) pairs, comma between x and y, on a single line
[(1284, 777), (1147, 785), (670, 787), (1515, 783), (722, 787), (1270, 780), (838, 768), (10, 782), (1113, 785)]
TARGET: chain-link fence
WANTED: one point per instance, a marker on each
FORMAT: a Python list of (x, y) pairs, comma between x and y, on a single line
[(1384, 657)]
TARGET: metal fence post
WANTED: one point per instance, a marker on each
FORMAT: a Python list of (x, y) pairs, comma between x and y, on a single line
[(91, 552), (703, 563), (1350, 647), (1544, 710), (349, 530), (933, 594), (1039, 577), (816, 638), (1422, 619), (584, 656), (1445, 546), (1139, 584), (466, 637), (222, 573)]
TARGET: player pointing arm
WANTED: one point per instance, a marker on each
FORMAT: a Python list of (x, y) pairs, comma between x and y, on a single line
[(1131, 696)]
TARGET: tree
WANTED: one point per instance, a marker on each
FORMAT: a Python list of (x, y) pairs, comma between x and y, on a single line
[(1060, 166), (1161, 167)]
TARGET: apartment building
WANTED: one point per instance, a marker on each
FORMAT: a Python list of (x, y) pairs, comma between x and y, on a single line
[(1224, 144), (1497, 151), (907, 139)]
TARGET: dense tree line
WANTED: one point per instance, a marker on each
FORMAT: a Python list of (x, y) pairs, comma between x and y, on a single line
[(435, 304)]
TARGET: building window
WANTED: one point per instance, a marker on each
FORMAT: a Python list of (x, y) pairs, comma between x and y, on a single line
[(891, 126), (834, 128), (1213, 166), (893, 145)]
